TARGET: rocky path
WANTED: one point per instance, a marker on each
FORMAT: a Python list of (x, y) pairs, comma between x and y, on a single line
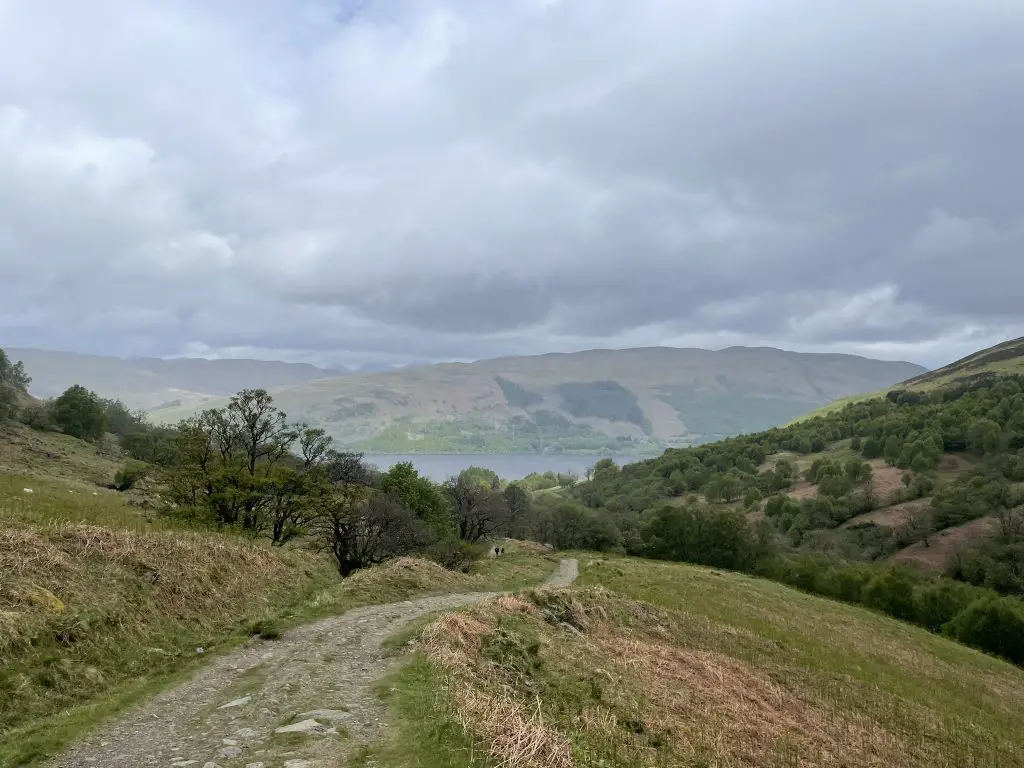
[(304, 701)]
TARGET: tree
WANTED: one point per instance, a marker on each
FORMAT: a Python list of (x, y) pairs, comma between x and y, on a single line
[(362, 528), (13, 374), (479, 512), (80, 413), (420, 495), (520, 510), (984, 437)]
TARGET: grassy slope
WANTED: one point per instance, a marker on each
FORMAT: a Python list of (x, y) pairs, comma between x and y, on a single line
[(1007, 357), (100, 605), (677, 389), (686, 666)]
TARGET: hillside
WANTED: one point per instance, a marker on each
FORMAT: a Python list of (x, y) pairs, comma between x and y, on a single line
[(621, 401), (658, 664), (149, 383), (1004, 358), (1007, 357), (106, 597)]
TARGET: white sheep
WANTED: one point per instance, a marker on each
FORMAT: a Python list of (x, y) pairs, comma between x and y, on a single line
[(28, 490)]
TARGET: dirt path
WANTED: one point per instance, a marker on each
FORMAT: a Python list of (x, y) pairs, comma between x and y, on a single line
[(316, 682)]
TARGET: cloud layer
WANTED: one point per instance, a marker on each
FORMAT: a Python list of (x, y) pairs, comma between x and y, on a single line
[(393, 180)]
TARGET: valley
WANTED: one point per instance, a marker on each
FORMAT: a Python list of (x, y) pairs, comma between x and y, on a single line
[(850, 584)]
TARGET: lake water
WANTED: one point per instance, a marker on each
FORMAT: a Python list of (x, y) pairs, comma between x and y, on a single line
[(440, 466)]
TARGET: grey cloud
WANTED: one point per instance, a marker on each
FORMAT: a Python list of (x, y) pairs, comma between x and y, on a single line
[(396, 179)]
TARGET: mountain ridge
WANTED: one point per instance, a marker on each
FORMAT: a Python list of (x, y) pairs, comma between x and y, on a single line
[(630, 400)]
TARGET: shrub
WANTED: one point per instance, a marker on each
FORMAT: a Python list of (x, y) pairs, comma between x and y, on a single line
[(891, 592), (266, 629), (937, 603), (994, 624), (38, 416), (455, 554), (129, 475)]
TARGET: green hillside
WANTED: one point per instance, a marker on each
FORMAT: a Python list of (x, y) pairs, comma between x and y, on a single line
[(631, 401), (659, 664), (1004, 358)]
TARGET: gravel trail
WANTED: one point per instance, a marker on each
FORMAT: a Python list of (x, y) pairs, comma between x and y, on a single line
[(315, 683)]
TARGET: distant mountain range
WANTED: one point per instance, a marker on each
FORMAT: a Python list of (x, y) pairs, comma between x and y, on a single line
[(618, 401), (152, 383)]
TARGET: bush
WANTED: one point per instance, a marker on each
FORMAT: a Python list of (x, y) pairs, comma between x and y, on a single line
[(265, 629), (38, 416), (455, 554), (80, 413), (129, 475), (937, 603), (994, 624), (891, 592)]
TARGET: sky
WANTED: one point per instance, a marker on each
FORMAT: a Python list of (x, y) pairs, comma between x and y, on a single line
[(395, 180)]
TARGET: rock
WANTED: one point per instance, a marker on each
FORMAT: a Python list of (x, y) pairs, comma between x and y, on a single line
[(255, 765), (183, 763), (246, 733), (231, 752), (298, 764), (330, 715), (229, 742), (210, 765), (306, 726), (236, 703)]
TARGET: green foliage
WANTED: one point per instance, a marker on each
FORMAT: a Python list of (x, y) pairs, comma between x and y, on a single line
[(13, 374), (601, 400), (424, 497), (80, 413), (700, 534), (994, 624), (516, 395), (455, 554), (129, 475)]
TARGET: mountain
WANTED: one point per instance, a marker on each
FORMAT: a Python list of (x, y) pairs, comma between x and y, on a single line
[(630, 400), (150, 383)]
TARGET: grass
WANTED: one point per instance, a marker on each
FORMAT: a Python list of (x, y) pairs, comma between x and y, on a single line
[(660, 664), (100, 606), (430, 735)]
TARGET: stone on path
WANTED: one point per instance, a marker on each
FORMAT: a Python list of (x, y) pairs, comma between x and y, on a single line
[(306, 726), (236, 703), (231, 752), (330, 715)]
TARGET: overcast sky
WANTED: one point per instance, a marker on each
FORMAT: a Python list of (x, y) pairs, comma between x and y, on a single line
[(393, 180)]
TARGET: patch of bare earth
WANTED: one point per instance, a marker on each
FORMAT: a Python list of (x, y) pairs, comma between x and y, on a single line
[(803, 490), (943, 546), (886, 478), (889, 517)]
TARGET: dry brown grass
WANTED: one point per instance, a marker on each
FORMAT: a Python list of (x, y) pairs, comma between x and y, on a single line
[(515, 738), (890, 517), (944, 545), (701, 697), (621, 682), (100, 571)]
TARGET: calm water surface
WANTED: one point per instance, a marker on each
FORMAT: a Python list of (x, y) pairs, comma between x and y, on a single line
[(440, 466)]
